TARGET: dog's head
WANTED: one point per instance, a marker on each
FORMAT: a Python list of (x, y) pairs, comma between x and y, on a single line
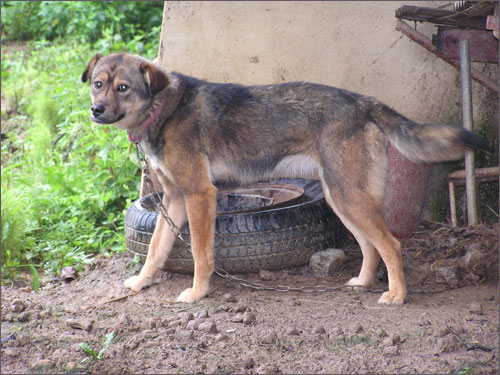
[(122, 88)]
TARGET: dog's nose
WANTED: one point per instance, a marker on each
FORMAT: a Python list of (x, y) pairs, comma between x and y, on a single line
[(97, 110)]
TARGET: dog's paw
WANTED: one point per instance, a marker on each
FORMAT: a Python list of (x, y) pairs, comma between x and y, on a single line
[(356, 281), (392, 298), (137, 283), (191, 295)]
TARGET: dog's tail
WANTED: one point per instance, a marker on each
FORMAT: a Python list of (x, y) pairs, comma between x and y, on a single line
[(423, 142)]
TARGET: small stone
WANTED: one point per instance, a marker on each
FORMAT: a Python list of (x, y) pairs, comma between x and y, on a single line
[(229, 297), (201, 314), (84, 324), (239, 308), (319, 330), (10, 352), (186, 317), (175, 323), (238, 318), (474, 260), (359, 328), (152, 323), (222, 308), (17, 306), (42, 363), (249, 318), (249, 363), (476, 308), (447, 344), (195, 324), (446, 273), (327, 262), (220, 337), (292, 332), (269, 339), (71, 366), (208, 326), (391, 350), (24, 316), (265, 275), (170, 331)]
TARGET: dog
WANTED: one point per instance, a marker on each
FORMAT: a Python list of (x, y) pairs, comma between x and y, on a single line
[(195, 132)]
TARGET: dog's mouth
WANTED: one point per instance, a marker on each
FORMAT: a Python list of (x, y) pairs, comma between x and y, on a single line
[(105, 121)]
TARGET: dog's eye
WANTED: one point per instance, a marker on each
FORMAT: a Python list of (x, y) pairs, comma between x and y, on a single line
[(97, 84), (122, 88)]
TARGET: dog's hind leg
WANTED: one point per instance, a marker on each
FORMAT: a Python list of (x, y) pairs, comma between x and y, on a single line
[(161, 242), (353, 173), (362, 215), (201, 208)]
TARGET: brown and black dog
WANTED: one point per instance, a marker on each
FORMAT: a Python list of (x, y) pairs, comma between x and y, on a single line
[(195, 133)]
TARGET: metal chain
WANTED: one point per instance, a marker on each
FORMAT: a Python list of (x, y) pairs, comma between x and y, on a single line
[(244, 282)]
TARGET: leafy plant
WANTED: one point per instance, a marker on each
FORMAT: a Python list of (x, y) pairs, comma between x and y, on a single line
[(98, 356), (66, 182)]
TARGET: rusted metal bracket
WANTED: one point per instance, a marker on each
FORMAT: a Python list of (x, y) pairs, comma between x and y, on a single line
[(425, 42)]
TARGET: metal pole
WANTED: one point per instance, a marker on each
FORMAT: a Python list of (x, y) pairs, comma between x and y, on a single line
[(470, 180)]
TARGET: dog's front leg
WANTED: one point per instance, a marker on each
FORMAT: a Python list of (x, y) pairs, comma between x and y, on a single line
[(161, 243), (201, 208)]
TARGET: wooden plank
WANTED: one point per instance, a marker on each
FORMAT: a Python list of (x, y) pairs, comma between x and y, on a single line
[(425, 42), (483, 45), (439, 17)]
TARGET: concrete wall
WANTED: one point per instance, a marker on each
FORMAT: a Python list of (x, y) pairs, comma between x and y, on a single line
[(352, 45)]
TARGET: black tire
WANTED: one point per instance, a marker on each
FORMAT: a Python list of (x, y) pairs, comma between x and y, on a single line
[(269, 237)]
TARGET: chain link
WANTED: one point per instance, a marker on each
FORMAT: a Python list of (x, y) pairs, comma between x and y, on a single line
[(244, 282)]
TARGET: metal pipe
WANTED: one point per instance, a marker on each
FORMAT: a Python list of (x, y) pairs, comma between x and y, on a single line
[(470, 180)]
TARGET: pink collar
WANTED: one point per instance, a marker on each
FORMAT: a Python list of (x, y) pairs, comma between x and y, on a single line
[(145, 125)]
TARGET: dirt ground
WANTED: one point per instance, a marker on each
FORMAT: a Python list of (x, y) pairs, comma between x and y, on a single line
[(448, 325)]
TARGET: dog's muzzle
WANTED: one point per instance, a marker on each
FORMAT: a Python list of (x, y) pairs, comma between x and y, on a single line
[(97, 110)]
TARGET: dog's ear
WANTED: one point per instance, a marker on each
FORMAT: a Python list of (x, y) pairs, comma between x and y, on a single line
[(155, 79), (87, 73)]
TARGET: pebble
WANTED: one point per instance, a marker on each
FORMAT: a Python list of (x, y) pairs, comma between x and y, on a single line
[(249, 318), (208, 326), (269, 339), (476, 308), (84, 324), (71, 365), (220, 337), (265, 275), (359, 328), (195, 324), (319, 330), (327, 262), (446, 274), (391, 350), (447, 344), (239, 308), (201, 314), (229, 297), (249, 363), (24, 316), (238, 318), (17, 306)]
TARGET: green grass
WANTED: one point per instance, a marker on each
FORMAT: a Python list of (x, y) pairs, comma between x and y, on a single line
[(66, 182)]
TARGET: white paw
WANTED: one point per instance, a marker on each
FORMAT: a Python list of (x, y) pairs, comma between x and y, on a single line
[(191, 295), (356, 281), (136, 283), (392, 298)]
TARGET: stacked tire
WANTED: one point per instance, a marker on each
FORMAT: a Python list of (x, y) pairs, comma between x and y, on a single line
[(269, 237)]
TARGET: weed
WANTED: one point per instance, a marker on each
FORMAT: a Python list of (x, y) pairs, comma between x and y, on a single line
[(98, 356)]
